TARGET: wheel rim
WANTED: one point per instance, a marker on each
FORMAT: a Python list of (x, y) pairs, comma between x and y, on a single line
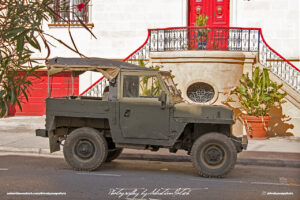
[(84, 149), (213, 155)]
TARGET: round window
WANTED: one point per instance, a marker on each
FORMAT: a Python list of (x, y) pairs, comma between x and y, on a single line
[(200, 92)]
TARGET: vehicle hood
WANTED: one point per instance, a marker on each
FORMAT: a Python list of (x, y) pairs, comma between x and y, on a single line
[(186, 112)]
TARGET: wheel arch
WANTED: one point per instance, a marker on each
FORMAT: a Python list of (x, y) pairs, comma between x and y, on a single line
[(60, 126), (192, 131)]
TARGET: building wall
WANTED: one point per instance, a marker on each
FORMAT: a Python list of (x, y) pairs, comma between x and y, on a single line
[(279, 20), (220, 69), (120, 27)]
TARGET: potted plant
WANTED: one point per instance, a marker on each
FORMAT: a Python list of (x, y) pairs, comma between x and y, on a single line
[(202, 34), (256, 96)]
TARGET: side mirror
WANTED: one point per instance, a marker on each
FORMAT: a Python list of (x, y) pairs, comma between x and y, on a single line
[(163, 99)]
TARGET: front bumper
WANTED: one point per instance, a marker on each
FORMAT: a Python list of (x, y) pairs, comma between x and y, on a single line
[(240, 143), (245, 142)]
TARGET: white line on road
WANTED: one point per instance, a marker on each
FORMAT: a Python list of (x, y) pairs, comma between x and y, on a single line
[(268, 183), (242, 182), (222, 181), (97, 174), (3, 169)]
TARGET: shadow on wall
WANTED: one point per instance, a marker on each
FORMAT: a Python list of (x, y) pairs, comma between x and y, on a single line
[(279, 126)]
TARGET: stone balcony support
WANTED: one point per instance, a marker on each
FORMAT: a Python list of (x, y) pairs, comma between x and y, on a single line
[(220, 69)]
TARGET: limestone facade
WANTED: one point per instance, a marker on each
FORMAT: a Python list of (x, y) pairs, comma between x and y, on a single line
[(222, 70)]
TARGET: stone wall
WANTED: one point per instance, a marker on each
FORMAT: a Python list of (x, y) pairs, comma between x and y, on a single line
[(222, 70), (279, 20), (120, 26)]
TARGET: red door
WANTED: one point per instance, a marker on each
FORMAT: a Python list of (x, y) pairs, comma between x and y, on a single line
[(217, 12), (197, 7), (61, 85)]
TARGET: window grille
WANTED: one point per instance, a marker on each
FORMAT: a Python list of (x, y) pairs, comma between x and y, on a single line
[(71, 11)]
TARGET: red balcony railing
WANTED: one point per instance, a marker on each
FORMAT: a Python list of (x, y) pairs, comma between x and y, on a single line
[(215, 39)]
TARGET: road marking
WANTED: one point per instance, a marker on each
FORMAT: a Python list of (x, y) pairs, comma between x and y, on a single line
[(248, 182), (205, 188), (269, 183), (223, 181), (97, 174), (3, 169)]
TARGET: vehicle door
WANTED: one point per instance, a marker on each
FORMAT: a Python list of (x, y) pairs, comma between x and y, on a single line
[(141, 114)]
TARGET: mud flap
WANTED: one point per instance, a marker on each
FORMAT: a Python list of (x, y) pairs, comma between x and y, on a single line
[(53, 139), (53, 142)]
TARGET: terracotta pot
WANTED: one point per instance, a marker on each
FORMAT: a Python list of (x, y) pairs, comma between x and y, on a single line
[(256, 127)]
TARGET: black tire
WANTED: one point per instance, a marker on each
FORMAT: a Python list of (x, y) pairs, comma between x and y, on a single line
[(213, 155), (113, 154), (85, 149)]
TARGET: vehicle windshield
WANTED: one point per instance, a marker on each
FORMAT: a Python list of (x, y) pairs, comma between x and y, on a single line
[(170, 84)]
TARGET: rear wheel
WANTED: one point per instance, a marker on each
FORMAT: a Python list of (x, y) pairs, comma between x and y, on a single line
[(85, 149), (113, 154), (213, 155)]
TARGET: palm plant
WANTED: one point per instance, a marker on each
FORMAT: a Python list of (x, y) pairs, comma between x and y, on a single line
[(22, 35), (201, 20), (149, 85), (257, 95)]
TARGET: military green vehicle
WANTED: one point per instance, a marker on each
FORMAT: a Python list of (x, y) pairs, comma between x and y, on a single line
[(140, 109)]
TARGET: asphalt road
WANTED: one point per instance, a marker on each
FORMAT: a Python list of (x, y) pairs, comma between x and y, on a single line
[(23, 177)]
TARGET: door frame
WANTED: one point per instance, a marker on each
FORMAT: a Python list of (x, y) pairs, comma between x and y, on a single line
[(153, 100), (232, 16)]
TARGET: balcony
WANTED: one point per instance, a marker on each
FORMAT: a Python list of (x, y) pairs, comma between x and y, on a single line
[(218, 39)]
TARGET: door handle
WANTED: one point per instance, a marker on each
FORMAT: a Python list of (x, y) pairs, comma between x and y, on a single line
[(127, 113)]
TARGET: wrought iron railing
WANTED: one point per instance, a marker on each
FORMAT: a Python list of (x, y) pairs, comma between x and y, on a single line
[(215, 38), (70, 11), (281, 67), (197, 38), (97, 89)]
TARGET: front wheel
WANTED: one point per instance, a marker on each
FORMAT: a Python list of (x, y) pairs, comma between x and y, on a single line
[(85, 149), (213, 155)]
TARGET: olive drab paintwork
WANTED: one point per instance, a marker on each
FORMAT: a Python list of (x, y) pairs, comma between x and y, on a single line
[(135, 120), (135, 115), (140, 109)]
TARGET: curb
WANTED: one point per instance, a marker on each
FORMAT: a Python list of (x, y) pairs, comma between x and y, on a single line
[(29, 151), (241, 161), (269, 163), (20, 150), (152, 157)]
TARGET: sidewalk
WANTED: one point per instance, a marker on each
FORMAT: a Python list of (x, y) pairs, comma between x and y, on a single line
[(18, 137)]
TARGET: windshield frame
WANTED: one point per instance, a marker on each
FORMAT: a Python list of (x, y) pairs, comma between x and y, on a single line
[(169, 82)]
